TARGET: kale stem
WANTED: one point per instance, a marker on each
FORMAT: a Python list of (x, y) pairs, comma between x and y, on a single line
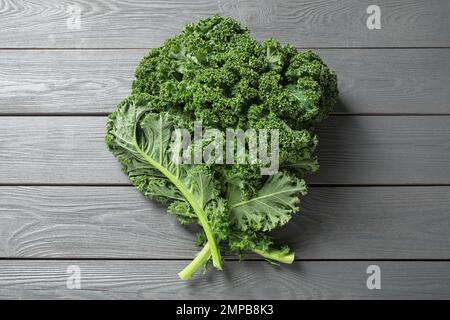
[(276, 255), (201, 259), (203, 256)]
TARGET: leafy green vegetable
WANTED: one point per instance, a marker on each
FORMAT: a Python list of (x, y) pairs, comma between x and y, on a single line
[(216, 73), (141, 141)]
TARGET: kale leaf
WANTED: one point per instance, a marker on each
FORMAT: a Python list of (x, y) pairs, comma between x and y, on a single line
[(216, 73)]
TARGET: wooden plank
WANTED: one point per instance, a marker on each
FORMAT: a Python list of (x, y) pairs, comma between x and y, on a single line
[(396, 81), (248, 280), (117, 222), (143, 23), (67, 150), (86, 222), (94, 81), (65, 81), (353, 150), (384, 150)]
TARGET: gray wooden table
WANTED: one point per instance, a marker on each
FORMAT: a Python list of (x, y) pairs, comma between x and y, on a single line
[(382, 196)]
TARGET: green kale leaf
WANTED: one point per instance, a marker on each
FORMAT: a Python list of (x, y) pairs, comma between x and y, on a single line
[(215, 72)]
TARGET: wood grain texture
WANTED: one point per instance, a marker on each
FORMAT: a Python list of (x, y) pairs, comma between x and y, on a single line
[(395, 81), (353, 150), (94, 81), (249, 280), (85, 222), (143, 23), (65, 81), (117, 222), (384, 150)]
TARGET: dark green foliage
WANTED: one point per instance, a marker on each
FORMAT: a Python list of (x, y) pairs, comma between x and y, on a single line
[(215, 72)]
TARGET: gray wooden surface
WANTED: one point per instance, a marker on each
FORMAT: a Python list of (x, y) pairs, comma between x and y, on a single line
[(382, 195), (146, 23), (123, 279)]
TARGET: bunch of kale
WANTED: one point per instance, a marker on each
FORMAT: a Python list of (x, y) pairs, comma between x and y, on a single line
[(216, 73)]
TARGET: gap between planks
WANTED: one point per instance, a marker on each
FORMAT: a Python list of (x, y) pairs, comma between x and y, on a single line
[(313, 185), (225, 258), (332, 114), (144, 48)]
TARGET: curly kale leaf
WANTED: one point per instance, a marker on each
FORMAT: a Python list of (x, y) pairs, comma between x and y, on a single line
[(215, 72), (141, 141), (271, 207)]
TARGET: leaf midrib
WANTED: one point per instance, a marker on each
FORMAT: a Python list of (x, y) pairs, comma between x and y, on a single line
[(263, 197)]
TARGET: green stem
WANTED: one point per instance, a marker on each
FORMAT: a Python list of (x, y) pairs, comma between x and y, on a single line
[(201, 258), (276, 255), (205, 253)]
